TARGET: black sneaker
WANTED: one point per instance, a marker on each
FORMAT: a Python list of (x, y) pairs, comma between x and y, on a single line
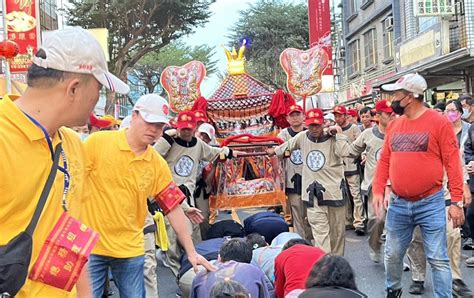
[(417, 288), (359, 231), (467, 244), (394, 293), (460, 289)]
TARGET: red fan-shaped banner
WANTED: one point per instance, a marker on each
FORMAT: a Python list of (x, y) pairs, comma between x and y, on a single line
[(182, 84), (304, 69)]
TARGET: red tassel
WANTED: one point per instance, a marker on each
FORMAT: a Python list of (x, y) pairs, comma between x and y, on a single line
[(279, 107), (200, 104)]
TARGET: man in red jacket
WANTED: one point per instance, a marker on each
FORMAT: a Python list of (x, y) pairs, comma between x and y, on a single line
[(418, 147)]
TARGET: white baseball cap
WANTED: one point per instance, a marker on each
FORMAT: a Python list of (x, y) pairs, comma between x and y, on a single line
[(329, 116), (210, 131), (76, 50), (126, 122), (153, 108), (412, 82)]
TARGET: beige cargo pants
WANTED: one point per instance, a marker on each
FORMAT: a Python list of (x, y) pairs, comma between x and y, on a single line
[(299, 216), (328, 228), (355, 212)]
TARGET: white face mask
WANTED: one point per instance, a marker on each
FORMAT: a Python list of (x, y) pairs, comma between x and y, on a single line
[(83, 136), (465, 113)]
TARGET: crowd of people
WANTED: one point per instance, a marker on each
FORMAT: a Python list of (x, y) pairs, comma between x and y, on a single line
[(289, 266), (399, 172)]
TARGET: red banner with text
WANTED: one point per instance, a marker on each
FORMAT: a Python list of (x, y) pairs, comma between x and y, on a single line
[(22, 22), (319, 15)]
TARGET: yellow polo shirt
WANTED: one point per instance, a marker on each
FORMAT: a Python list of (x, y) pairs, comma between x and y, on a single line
[(24, 167), (119, 183)]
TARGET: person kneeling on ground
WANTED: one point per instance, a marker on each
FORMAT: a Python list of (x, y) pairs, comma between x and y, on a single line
[(209, 249), (292, 266), (233, 264), (229, 288), (264, 257), (331, 276)]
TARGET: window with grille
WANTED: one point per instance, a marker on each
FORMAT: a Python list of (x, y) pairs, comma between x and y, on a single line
[(370, 48), (354, 48), (353, 7), (388, 39)]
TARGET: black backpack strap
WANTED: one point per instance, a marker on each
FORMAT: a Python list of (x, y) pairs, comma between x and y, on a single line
[(45, 193)]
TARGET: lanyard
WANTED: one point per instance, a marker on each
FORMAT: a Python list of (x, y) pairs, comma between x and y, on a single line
[(62, 169)]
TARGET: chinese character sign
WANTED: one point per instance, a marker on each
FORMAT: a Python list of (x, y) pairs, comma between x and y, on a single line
[(22, 27), (434, 7), (304, 69), (319, 19), (182, 84), (319, 15)]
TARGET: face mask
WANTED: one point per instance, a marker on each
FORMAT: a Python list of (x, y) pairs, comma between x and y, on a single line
[(453, 116), (465, 113), (83, 136), (397, 108)]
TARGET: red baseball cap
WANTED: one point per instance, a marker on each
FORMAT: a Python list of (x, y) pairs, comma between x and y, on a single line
[(383, 106), (314, 116), (186, 119), (100, 123), (294, 108), (353, 113), (340, 110), (200, 116)]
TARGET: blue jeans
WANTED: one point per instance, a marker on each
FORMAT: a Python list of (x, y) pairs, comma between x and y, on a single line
[(402, 217), (128, 275)]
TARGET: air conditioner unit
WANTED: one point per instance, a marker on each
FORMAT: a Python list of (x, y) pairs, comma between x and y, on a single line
[(388, 23)]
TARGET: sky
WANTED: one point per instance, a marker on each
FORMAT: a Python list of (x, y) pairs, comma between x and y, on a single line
[(225, 13)]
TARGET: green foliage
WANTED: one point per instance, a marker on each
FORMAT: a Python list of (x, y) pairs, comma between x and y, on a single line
[(148, 70), (271, 26), (137, 27)]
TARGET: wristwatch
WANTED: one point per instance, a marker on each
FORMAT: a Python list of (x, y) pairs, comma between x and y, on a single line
[(459, 204)]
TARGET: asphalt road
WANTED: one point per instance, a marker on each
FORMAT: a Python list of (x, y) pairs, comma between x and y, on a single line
[(369, 276)]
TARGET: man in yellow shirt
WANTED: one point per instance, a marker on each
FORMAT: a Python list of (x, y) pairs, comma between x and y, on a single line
[(63, 87), (124, 170)]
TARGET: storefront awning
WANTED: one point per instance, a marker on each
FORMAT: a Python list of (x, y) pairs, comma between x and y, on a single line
[(451, 65)]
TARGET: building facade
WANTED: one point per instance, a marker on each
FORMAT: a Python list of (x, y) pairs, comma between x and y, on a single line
[(389, 38), (48, 15), (370, 35)]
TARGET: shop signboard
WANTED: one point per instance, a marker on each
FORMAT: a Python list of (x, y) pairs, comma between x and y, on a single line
[(22, 25), (426, 47), (429, 8)]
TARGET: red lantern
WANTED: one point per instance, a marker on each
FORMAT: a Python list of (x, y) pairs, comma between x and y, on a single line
[(8, 49)]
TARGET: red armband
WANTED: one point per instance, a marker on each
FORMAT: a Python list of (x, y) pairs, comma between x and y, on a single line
[(170, 197), (64, 253)]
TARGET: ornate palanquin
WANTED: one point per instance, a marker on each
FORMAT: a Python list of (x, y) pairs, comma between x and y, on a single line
[(240, 105), (251, 180), (239, 111)]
